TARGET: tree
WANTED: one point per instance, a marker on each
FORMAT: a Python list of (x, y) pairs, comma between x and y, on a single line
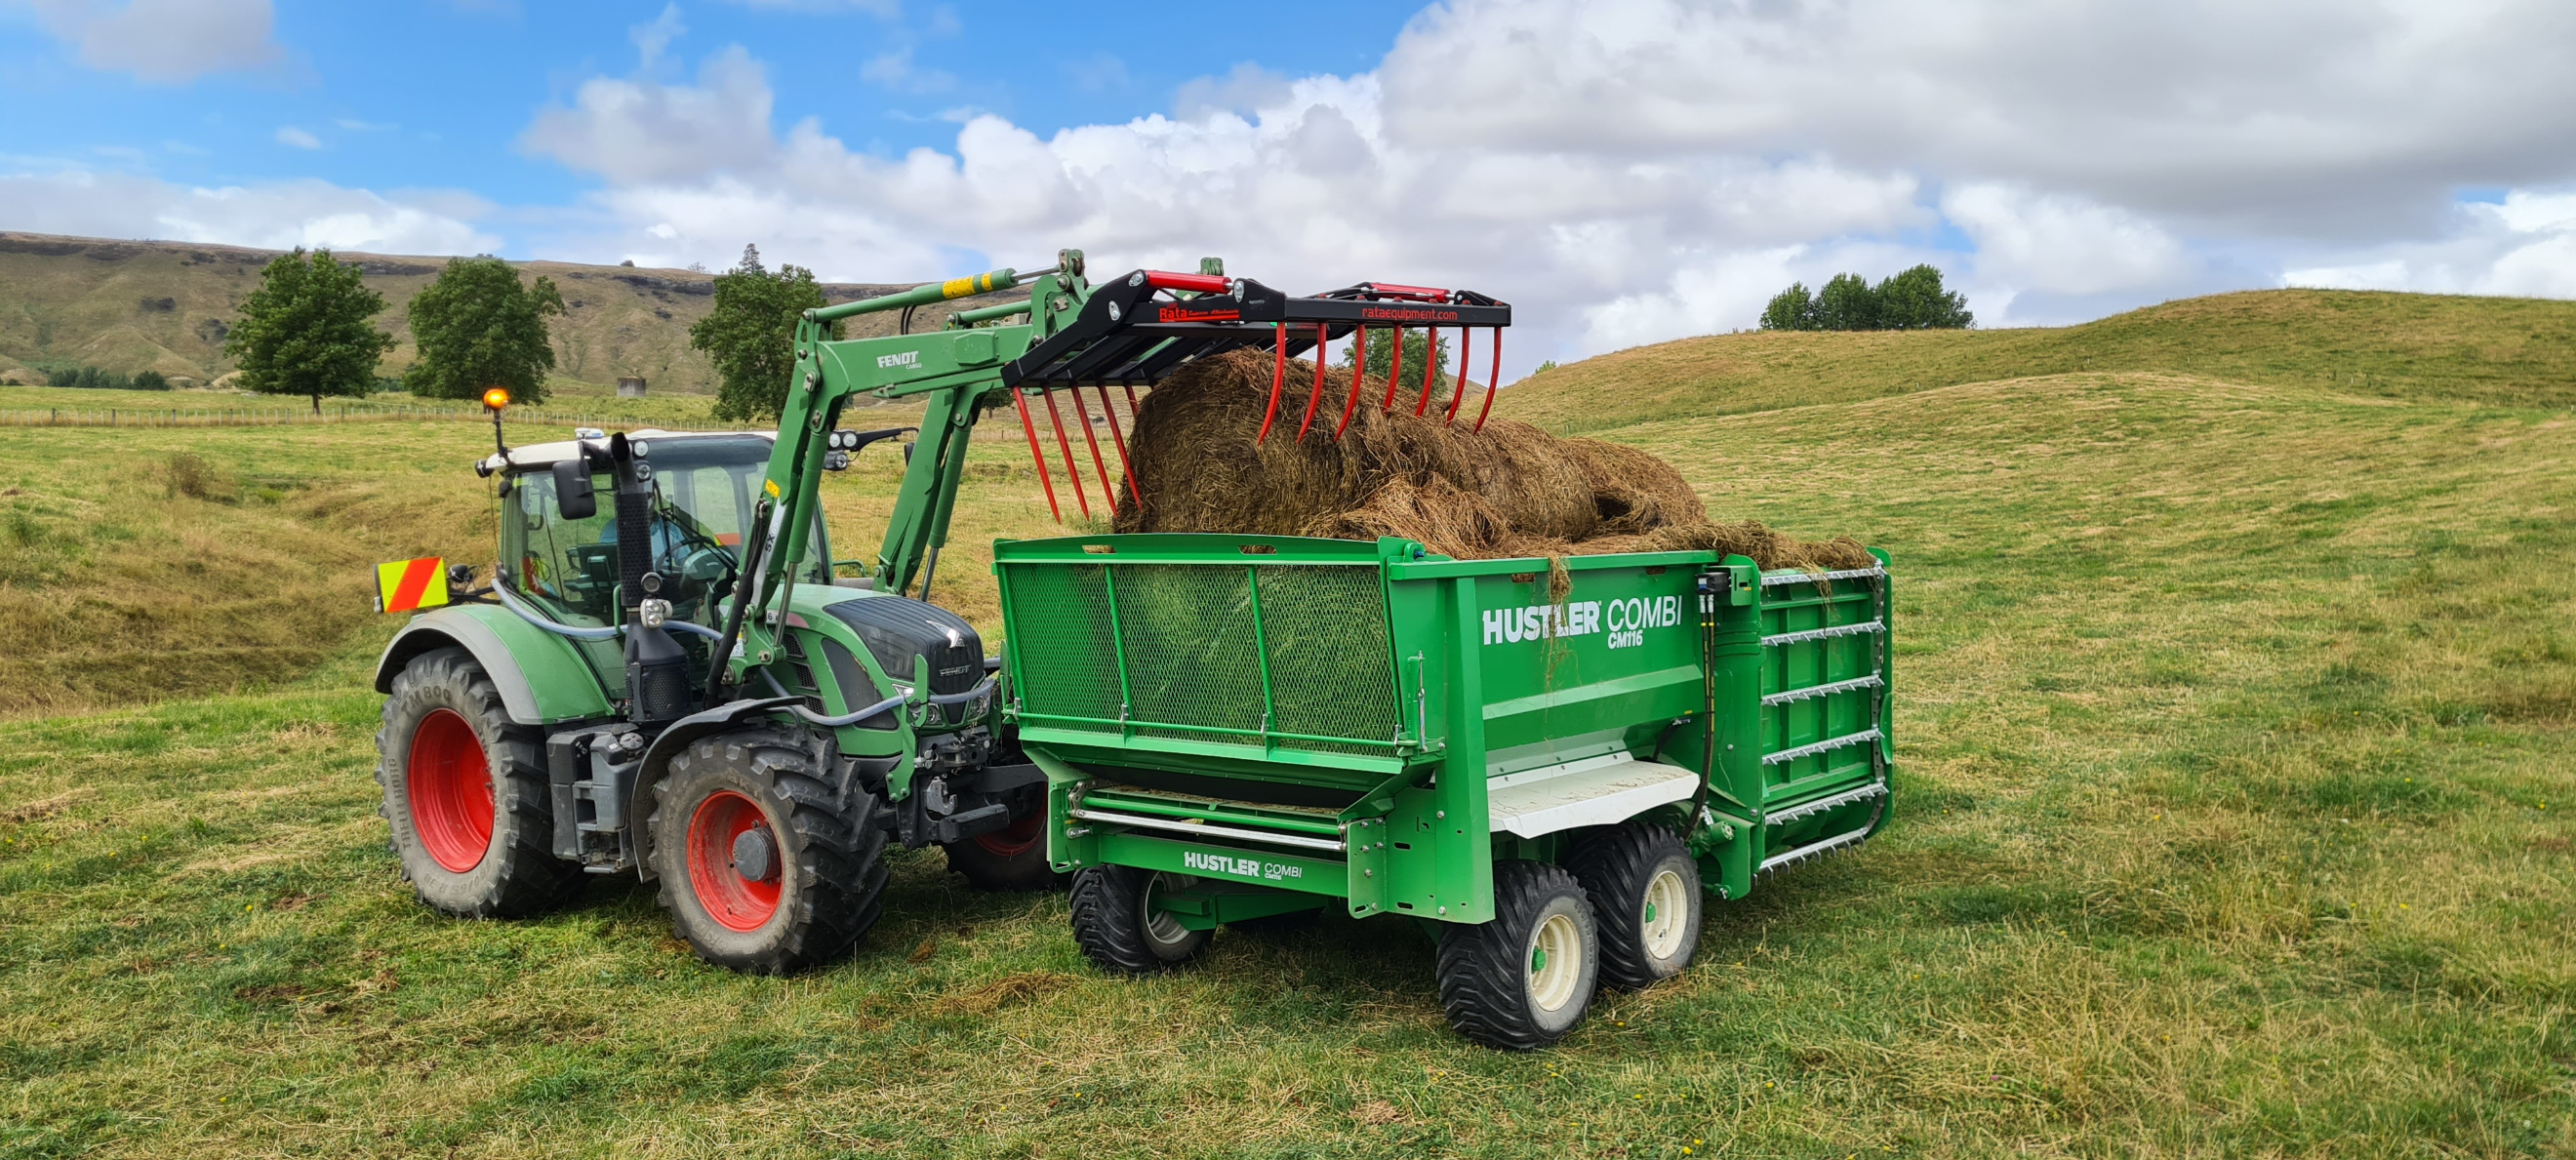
[(1381, 354), (1914, 300), (307, 329), (751, 335), (1847, 303), (477, 328), (1791, 309)]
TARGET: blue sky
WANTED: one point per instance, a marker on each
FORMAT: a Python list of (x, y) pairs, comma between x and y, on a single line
[(433, 95), (1624, 171)]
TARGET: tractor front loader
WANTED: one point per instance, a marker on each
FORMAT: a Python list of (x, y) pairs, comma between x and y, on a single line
[(676, 684)]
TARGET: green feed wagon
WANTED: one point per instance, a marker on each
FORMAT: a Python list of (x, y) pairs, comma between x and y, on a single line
[(1547, 768)]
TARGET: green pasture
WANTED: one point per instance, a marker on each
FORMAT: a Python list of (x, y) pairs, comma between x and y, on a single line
[(2235, 753)]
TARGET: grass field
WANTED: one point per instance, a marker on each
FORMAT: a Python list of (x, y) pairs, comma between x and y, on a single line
[(2234, 736)]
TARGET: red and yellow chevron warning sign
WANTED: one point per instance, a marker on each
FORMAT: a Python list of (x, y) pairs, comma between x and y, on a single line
[(411, 585)]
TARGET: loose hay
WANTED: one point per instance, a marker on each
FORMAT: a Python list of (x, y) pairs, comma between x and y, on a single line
[(1510, 490)]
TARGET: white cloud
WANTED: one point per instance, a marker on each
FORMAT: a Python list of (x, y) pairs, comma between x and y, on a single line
[(271, 215), (165, 41), (2523, 246), (652, 38), (1630, 170), (2061, 244), (894, 70), (639, 130), (290, 135)]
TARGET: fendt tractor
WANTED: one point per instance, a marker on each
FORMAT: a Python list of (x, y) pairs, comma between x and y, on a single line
[(1544, 767)]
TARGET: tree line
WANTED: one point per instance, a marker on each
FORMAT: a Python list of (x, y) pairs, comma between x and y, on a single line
[(1912, 300), (309, 329)]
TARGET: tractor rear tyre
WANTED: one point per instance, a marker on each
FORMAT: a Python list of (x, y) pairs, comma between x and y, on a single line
[(1116, 924), (1526, 978), (466, 796), (763, 866), (1011, 858), (1645, 888)]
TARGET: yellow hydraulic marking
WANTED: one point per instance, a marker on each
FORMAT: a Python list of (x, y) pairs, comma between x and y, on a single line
[(770, 486), (411, 585), (957, 287)]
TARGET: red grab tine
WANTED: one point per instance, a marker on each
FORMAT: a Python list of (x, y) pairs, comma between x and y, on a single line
[(1029, 425), (1108, 494), (1430, 368), (1394, 371), (1057, 417), (1496, 380), (1125, 468), (1278, 379), (1321, 337), (1359, 374), (1466, 345)]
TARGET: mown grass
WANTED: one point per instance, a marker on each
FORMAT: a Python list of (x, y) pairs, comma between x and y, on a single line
[(2234, 743), (121, 581), (2510, 351)]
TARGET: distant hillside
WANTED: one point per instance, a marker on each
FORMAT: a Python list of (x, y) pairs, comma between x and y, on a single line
[(166, 306), (2515, 351)]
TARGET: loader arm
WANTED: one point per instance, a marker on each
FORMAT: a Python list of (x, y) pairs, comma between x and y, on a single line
[(960, 370)]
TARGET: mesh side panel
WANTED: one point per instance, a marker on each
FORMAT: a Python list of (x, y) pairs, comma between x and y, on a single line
[(1190, 654), (1329, 675), (1060, 642)]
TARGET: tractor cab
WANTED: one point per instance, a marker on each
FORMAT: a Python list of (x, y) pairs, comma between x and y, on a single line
[(564, 557)]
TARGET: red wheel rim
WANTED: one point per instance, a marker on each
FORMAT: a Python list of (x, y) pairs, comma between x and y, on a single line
[(1015, 839), (737, 902), (450, 787)]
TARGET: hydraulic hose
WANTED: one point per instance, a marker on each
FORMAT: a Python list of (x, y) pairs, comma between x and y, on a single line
[(532, 616), (811, 717)]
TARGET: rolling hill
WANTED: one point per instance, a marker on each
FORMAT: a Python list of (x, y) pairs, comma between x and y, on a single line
[(2511, 351), (166, 306)]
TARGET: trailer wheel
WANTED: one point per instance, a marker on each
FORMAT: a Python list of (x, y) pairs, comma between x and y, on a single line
[(762, 869), (466, 796), (1115, 923), (1013, 857), (1524, 979), (1645, 888)]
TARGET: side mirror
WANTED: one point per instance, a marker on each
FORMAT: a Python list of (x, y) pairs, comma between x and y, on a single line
[(573, 498)]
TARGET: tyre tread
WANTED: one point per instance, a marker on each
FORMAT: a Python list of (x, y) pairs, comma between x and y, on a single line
[(1611, 867), (531, 880), (840, 850), (1483, 984)]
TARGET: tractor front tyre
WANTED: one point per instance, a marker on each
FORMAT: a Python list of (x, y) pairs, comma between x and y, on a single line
[(1012, 858), (466, 796), (1116, 924), (1523, 980), (763, 867), (1645, 888)]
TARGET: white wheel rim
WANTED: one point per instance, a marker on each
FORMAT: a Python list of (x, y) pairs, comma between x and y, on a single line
[(1555, 962), (1160, 926), (1667, 914)]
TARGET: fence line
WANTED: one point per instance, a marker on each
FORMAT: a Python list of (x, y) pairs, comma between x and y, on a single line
[(281, 417)]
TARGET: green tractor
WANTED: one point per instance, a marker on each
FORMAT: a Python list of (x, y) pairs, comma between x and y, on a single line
[(675, 683)]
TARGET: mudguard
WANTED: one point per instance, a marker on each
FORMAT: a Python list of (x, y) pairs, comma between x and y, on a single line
[(542, 680)]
